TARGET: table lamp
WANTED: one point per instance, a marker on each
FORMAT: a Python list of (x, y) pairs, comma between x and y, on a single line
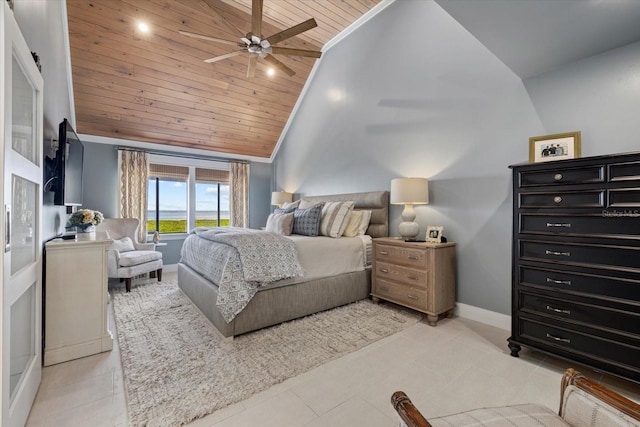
[(409, 192), (279, 198)]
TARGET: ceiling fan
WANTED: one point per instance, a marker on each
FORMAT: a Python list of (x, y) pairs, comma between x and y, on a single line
[(257, 46)]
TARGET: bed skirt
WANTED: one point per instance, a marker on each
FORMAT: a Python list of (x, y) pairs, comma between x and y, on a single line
[(275, 304)]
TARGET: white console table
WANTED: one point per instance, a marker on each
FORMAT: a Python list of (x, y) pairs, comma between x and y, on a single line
[(76, 298)]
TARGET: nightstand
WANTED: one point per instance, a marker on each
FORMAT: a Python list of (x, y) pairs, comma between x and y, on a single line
[(421, 276)]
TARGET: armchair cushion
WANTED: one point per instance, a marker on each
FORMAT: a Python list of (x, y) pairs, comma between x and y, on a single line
[(123, 245), (128, 259)]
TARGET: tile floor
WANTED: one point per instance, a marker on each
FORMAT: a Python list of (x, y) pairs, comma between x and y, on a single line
[(456, 366)]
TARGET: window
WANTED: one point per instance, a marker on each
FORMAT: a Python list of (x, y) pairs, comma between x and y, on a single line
[(183, 197)]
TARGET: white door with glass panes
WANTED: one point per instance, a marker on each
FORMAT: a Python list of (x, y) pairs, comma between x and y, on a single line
[(21, 267)]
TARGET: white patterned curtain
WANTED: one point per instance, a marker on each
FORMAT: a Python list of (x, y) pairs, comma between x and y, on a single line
[(239, 190), (133, 174)]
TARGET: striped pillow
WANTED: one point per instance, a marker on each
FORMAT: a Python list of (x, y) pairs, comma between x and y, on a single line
[(335, 217)]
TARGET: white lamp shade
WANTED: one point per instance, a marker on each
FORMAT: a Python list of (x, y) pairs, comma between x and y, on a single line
[(279, 198), (409, 191)]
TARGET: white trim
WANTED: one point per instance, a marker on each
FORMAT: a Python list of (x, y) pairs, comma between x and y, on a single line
[(67, 46), (488, 317), (170, 268), (169, 149), (167, 159), (328, 45)]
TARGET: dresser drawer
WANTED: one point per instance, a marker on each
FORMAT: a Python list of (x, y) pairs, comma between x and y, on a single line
[(624, 198), (602, 225), (411, 296), (401, 255), (589, 314), (563, 199), (583, 175), (600, 285), (558, 336), (406, 275), (626, 171), (597, 256)]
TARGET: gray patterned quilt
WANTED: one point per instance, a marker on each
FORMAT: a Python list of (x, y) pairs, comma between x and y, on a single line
[(239, 261)]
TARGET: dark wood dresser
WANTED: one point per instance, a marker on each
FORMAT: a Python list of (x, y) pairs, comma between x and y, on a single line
[(576, 261)]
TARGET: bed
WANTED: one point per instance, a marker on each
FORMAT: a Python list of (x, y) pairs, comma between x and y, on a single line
[(292, 298)]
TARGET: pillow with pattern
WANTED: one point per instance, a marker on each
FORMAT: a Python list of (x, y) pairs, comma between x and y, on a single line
[(283, 210), (335, 216), (281, 223), (307, 221)]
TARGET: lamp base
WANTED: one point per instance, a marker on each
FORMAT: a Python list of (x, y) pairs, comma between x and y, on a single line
[(409, 230)]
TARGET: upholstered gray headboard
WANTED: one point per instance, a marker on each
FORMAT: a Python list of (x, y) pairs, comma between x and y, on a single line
[(375, 201)]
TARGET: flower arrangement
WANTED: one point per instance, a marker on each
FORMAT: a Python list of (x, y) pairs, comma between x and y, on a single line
[(85, 217)]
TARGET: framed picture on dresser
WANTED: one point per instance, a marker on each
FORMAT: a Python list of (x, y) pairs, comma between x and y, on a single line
[(559, 146), (434, 234)]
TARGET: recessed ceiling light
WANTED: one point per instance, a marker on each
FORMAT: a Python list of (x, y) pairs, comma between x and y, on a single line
[(143, 26), (271, 71)]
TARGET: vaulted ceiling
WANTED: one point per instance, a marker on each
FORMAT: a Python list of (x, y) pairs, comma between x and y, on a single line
[(156, 88)]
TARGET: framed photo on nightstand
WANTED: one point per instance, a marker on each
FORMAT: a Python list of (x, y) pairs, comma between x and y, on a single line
[(434, 234)]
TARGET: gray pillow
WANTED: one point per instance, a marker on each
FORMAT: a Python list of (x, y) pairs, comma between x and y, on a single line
[(283, 210), (307, 221), (280, 223)]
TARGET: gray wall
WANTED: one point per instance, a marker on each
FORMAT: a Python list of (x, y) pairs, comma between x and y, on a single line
[(446, 109), (42, 23)]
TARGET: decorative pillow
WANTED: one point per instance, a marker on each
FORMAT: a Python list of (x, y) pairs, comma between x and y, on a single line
[(335, 216), (281, 223), (283, 210), (307, 221), (123, 245), (358, 223), (306, 204), (293, 205)]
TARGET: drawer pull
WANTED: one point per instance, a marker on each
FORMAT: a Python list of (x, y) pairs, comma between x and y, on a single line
[(559, 224), (557, 199), (412, 297), (547, 252), (558, 282), (384, 253), (558, 310), (412, 278), (384, 270), (413, 257), (564, 340), (557, 176)]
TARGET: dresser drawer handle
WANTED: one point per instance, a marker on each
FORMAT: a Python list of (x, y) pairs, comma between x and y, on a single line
[(413, 257), (557, 177), (384, 270), (558, 310), (412, 278), (384, 253), (559, 224), (564, 340), (412, 297), (547, 252), (557, 199), (558, 282)]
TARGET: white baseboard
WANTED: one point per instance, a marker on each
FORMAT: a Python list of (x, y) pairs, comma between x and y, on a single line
[(482, 315), (170, 268)]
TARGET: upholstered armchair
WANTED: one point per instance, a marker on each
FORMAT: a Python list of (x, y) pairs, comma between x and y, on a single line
[(128, 258), (583, 403)]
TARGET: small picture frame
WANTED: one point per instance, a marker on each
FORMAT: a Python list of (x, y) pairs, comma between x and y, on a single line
[(434, 234), (547, 148)]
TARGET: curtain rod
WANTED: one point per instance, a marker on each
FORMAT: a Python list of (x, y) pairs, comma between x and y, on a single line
[(186, 156)]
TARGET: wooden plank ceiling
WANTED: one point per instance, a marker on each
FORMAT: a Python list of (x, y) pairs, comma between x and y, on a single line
[(156, 88)]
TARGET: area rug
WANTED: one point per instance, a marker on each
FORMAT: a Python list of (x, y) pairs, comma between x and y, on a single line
[(178, 368)]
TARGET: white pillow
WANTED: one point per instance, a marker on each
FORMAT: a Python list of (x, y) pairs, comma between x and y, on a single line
[(358, 223), (123, 245), (280, 223), (335, 216)]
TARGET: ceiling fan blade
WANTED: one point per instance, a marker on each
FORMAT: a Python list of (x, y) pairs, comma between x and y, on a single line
[(225, 56), (256, 17), (216, 5), (298, 52), (251, 70), (212, 39), (293, 31), (279, 65)]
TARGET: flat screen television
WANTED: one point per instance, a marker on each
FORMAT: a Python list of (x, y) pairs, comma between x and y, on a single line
[(66, 175)]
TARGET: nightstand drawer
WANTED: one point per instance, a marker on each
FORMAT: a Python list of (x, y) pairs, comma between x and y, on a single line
[(400, 255), (402, 294), (401, 274)]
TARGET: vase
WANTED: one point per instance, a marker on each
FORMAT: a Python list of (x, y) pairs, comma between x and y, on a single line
[(85, 228)]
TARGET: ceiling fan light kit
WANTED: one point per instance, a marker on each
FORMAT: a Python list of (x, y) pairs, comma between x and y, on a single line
[(256, 46)]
